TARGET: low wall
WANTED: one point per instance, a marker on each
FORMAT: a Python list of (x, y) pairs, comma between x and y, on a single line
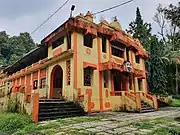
[(116, 103)]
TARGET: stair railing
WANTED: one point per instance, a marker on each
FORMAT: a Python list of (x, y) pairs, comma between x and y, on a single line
[(135, 98), (153, 98)]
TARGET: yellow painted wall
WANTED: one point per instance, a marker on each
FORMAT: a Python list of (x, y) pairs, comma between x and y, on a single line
[(67, 90), (62, 46), (91, 58)]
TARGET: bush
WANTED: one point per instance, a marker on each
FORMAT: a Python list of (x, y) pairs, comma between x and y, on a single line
[(10, 123), (12, 106), (175, 102)]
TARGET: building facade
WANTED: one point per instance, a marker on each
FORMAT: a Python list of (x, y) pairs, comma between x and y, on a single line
[(97, 65)]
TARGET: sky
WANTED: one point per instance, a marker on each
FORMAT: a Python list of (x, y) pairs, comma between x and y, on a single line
[(18, 16)]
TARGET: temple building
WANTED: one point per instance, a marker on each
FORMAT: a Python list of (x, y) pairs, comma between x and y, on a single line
[(98, 66)]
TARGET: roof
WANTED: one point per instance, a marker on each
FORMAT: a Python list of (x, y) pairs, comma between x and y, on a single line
[(113, 30), (29, 58)]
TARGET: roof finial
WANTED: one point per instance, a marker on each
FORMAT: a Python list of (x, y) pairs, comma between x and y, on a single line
[(115, 19), (89, 16)]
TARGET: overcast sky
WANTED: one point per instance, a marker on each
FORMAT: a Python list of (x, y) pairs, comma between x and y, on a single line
[(25, 15)]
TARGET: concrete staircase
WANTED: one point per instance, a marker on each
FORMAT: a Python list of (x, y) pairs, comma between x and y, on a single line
[(146, 107), (50, 109)]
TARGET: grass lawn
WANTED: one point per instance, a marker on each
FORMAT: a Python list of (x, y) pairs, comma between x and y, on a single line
[(175, 102), (17, 124), (160, 126)]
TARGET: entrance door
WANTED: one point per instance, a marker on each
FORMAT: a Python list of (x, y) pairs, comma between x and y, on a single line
[(119, 81), (56, 82)]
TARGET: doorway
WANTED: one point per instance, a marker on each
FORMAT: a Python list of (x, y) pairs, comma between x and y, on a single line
[(119, 81), (56, 82)]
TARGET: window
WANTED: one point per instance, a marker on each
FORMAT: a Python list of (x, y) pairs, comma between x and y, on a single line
[(140, 84), (127, 54), (104, 44), (88, 40), (130, 82), (58, 42), (35, 84), (105, 76), (68, 72), (137, 59), (69, 40), (117, 52), (87, 76), (43, 83), (118, 49)]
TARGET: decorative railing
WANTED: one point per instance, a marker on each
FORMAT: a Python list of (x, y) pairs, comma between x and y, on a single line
[(153, 98), (116, 93), (136, 97), (131, 99), (131, 96)]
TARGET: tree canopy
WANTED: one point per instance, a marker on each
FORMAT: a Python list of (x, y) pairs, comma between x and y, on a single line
[(13, 48)]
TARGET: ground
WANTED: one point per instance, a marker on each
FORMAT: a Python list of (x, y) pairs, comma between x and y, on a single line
[(166, 121)]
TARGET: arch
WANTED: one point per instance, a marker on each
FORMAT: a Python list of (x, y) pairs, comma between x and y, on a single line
[(56, 84)]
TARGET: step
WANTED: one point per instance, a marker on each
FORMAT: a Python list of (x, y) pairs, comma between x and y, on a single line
[(58, 106), (146, 111), (57, 109), (54, 102), (59, 113), (147, 108), (50, 100), (58, 117)]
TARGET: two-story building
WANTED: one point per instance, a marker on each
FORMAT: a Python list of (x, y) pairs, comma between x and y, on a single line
[(97, 65)]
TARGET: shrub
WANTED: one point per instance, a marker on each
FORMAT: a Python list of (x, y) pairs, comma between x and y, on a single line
[(175, 102), (12, 106), (10, 123)]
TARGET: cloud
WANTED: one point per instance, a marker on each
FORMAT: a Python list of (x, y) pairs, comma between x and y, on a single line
[(25, 15)]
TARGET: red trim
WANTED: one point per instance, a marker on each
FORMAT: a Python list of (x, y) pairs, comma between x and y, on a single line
[(116, 93), (23, 80), (118, 60), (87, 64), (89, 93), (90, 30), (52, 79), (43, 73), (35, 76), (35, 107), (112, 82), (80, 96), (134, 81), (92, 105), (107, 93), (57, 51), (28, 83), (117, 35), (75, 59), (107, 104), (100, 74)]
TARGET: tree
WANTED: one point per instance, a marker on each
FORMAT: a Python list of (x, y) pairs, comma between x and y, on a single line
[(13, 48), (157, 76), (172, 13), (140, 30), (166, 18)]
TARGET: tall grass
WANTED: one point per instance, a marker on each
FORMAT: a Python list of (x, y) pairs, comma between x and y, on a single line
[(10, 123)]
